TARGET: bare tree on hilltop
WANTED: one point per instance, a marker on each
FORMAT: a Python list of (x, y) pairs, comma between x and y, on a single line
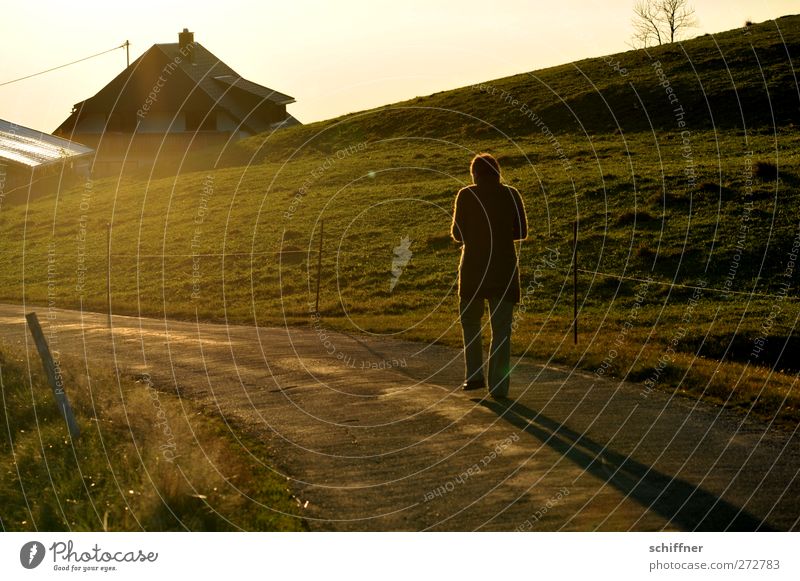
[(657, 22)]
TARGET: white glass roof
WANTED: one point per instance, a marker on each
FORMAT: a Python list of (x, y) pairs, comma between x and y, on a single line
[(32, 148)]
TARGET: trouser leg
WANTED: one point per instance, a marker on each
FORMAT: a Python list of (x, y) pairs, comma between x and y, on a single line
[(502, 313), (471, 312)]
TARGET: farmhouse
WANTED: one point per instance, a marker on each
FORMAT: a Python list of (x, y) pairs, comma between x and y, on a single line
[(174, 98)]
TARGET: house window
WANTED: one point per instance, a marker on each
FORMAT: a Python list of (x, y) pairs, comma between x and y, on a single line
[(200, 121)]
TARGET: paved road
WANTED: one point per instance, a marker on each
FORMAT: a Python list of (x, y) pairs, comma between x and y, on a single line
[(373, 436)]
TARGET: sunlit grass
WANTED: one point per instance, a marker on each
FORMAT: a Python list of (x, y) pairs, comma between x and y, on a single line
[(126, 472), (207, 243)]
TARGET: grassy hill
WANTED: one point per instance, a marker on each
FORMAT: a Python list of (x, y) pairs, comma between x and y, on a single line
[(739, 79), (679, 164)]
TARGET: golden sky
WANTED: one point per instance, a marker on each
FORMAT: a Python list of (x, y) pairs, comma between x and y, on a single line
[(333, 57)]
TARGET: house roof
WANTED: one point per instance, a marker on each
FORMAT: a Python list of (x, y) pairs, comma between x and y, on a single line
[(208, 74), (258, 90), (224, 85), (214, 76), (31, 148)]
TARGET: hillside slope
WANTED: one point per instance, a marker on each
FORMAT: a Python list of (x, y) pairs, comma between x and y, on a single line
[(700, 201), (743, 78)]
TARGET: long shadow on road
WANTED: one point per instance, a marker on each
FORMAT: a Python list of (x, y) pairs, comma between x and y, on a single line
[(682, 503)]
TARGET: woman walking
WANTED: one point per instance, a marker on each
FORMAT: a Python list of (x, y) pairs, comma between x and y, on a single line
[(488, 217)]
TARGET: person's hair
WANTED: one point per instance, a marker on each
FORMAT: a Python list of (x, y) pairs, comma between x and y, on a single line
[(484, 168)]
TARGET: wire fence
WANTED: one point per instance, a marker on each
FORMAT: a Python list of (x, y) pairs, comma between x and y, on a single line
[(686, 286), (565, 270)]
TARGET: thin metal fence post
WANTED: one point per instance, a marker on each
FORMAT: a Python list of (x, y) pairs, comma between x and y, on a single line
[(108, 271), (319, 261), (575, 282)]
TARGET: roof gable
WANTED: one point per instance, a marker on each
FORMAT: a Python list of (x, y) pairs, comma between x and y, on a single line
[(189, 78), (214, 76)]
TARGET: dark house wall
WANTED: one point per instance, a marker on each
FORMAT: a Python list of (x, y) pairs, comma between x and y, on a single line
[(19, 183)]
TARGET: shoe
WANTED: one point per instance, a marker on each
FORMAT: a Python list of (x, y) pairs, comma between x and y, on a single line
[(473, 384), (499, 396)]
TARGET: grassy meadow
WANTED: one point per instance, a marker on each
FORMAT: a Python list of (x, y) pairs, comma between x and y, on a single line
[(680, 166), (126, 473)]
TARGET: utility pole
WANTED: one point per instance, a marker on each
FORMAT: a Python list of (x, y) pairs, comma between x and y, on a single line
[(128, 53)]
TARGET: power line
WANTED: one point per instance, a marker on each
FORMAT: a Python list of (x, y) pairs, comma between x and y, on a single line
[(65, 65)]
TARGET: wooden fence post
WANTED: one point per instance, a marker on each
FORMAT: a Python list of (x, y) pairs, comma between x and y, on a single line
[(53, 375)]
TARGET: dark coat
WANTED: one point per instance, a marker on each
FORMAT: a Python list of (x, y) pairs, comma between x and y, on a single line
[(488, 218)]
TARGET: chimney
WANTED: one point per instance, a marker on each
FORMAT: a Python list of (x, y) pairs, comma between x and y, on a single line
[(186, 43)]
